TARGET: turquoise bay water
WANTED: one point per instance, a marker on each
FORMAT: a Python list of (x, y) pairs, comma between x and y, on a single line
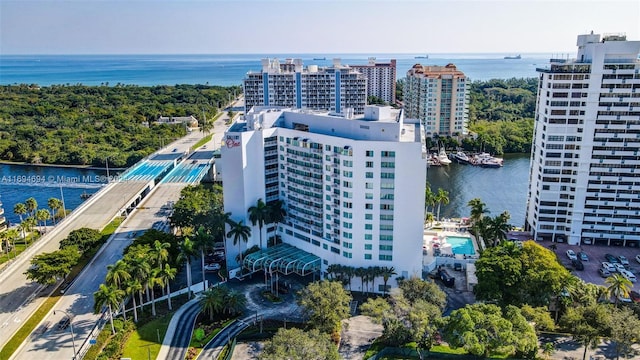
[(226, 70)]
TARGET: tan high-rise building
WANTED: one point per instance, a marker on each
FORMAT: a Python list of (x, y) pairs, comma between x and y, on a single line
[(438, 96)]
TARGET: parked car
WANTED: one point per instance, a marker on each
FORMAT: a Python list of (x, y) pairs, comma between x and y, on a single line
[(583, 256), (628, 275), (624, 299), (604, 272), (635, 296), (608, 266), (612, 259), (619, 268), (577, 264), (638, 258), (571, 255), (212, 267), (623, 260)]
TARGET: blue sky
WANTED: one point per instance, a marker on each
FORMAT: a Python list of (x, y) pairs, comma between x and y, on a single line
[(307, 26)]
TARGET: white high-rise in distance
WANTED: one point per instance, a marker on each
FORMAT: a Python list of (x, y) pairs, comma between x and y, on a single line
[(584, 184)]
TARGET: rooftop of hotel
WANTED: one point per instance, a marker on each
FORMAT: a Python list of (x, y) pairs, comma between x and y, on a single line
[(357, 127), (434, 70)]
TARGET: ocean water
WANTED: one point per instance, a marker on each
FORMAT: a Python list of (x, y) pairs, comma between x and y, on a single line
[(226, 70)]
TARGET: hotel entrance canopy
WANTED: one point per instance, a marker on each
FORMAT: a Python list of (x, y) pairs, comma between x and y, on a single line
[(282, 258)]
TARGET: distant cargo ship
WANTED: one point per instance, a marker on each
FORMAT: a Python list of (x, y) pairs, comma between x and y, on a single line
[(322, 58), (518, 57), (422, 57)]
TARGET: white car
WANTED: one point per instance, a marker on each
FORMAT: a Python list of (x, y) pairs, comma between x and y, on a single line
[(572, 255), (638, 258), (609, 267), (212, 267), (619, 268), (628, 275), (623, 260)]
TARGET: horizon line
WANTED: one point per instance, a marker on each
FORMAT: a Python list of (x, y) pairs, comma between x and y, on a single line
[(291, 53)]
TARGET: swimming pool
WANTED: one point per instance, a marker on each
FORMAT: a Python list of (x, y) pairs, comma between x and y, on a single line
[(461, 245)]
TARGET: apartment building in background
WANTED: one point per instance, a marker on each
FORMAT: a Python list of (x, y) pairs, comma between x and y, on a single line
[(352, 186), (438, 96), (584, 185), (381, 79), (337, 89)]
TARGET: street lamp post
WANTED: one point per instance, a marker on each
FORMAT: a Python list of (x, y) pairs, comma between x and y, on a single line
[(73, 340)]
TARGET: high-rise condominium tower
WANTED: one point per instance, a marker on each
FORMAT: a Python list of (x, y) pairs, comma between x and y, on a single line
[(437, 95), (381, 79), (584, 184)]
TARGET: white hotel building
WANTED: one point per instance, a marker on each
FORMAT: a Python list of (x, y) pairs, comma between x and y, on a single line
[(353, 187), (584, 185)]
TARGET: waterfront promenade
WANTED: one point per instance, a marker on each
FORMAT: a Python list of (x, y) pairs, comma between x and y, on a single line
[(78, 299)]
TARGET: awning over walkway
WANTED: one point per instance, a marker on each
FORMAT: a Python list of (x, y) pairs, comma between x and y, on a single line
[(283, 258)]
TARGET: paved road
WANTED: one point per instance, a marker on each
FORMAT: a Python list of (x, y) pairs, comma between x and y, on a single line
[(183, 331), (78, 299)]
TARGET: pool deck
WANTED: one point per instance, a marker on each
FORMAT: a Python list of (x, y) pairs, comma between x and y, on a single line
[(437, 234)]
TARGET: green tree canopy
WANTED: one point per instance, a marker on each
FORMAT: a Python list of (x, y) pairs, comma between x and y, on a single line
[(296, 344), (83, 238), (47, 268), (483, 330), (326, 303), (512, 275)]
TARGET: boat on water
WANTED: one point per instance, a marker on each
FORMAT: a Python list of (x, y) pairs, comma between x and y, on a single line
[(85, 195), (443, 158), (461, 158), (486, 160), (517, 57), (322, 58), (422, 57)]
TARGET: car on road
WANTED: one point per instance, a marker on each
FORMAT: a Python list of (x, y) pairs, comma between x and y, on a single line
[(212, 267), (577, 264), (604, 272), (583, 256), (174, 150), (628, 275), (612, 259), (619, 268), (623, 260), (571, 255), (608, 266), (64, 323), (635, 296)]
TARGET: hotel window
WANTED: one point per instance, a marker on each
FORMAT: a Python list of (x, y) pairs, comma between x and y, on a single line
[(347, 194), (347, 235), (368, 216), (369, 164), (347, 163), (368, 196), (347, 225), (368, 247), (386, 207), (347, 215), (388, 154), (385, 257), (369, 153), (386, 227), (347, 184), (368, 206), (388, 164), (367, 256), (347, 245), (386, 175), (386, 247), (368, 226), (346, 205), (348, 255), (369, 185), (347, 173), (368, 237), (369, 175)]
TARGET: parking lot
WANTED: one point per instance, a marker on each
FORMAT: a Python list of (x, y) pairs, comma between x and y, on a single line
[(596, 256)]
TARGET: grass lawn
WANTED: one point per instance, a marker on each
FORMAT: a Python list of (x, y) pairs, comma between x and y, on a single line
[(201, 142), (143, 343), (17, 250)]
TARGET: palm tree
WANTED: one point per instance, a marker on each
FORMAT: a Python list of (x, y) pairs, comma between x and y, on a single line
[(429, 218), (239, 232), (619, 286), (442, 198), (43, 215), (107, 296), (212, 300), (159, 253), (54, 204), (20, 209), (499, 227), (386, 272), (362, 274), (132, 288), (201, 241), (429, 198), (234, 302), (259, 214), (117, 274), (166, 275), (276, 214), (140, 269), (186, 252), (478, 209), (153, 280), (32, 206)]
